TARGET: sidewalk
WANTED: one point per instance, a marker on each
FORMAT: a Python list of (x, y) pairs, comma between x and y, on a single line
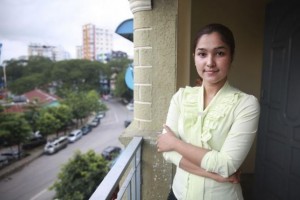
[(17, 165)]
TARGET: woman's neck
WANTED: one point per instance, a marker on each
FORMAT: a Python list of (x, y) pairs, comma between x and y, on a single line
[(210, 91)]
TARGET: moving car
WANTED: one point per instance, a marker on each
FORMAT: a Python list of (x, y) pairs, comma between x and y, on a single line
[(56, 145), (75, 135)]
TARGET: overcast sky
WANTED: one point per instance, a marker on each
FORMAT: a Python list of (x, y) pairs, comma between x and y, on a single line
[(58, 23)]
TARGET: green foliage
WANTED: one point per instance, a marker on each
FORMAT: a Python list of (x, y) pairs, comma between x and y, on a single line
[(1, 108), (83, 104), (25, 75), (74, 75), (95, 103), (26, 83), (14, 69), (118, 65), (63, 114), (47, 123), (77, 75), (14, 129), (80, 177), (121, 88), (32, 113), (78, 103)]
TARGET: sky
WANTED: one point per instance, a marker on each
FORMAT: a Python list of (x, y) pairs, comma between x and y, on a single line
[(58, 23)]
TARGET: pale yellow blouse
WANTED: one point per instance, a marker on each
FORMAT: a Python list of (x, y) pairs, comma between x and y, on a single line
[(227, 127)]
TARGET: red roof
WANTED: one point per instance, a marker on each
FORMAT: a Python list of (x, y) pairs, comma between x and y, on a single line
[(15, 108), (33, 95), (41, 96)]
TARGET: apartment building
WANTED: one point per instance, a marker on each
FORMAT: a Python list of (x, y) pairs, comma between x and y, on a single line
[(96, 42), (55, 53)]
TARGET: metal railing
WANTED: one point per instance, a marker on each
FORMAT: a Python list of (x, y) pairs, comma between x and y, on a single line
[(129, 162)]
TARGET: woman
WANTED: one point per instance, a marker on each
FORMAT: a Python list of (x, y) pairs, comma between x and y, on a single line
[(210, 128)]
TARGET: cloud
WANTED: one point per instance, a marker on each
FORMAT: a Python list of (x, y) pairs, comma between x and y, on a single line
[(57, 22)]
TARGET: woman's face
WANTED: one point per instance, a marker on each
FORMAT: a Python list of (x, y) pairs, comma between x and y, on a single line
[(212, 59)]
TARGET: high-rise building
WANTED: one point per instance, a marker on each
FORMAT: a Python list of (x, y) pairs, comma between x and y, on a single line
[(97, 42), (79, 52), (55, 53)]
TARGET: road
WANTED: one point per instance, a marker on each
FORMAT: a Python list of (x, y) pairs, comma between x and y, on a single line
[(33, 181)]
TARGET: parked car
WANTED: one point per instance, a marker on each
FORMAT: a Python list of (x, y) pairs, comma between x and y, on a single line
[(127, 123), (100, 115), (86, 129), (111, 152), (12, 155), (3, 161), (95, 122), (56, 144), (75, 135), (34, 142), (130, 106)]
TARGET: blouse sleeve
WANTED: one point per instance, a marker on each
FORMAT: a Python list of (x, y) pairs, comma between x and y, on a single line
[(172, 122), (238, 142)]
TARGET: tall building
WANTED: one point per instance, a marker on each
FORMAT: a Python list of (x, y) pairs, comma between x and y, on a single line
[(79, 52), (55, 53), (96, 42)]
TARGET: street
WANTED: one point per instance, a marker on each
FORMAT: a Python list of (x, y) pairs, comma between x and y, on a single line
[(32, 182)]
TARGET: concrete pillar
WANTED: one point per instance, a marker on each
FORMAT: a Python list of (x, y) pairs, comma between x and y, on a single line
[(155, 33)]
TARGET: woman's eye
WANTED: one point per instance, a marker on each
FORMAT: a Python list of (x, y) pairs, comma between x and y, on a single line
[(220, 53), (201, 54)]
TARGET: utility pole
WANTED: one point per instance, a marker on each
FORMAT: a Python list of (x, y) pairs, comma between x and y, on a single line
[(4, 73)]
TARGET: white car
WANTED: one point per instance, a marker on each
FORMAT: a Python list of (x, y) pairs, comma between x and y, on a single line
[(100, 115), (55, 145), (130, 106), (75, 135)]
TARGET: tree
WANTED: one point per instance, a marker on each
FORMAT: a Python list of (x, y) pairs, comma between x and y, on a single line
[(64, 114), (79, 178), (95, 104), (77, 75), (121, 88), (47, 123), (15, 129), (32, 114), (78, 103), (83, 104), (25, 75), (26, 83)]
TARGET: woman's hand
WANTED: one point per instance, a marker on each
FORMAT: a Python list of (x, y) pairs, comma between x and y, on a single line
[(166, 141), (234, 178)]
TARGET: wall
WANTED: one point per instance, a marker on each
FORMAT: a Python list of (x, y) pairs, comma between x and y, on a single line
[(183, 42), (155, 79)]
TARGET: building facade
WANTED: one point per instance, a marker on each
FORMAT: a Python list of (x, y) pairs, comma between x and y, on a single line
[(55, 53), (96, 42)]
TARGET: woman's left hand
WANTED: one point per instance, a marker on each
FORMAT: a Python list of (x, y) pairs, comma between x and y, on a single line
[(166, 141)]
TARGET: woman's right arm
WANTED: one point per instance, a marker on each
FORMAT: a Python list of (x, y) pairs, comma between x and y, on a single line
[(196, 170)]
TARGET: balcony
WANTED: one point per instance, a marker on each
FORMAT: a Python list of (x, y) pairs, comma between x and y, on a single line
[(124, 178)]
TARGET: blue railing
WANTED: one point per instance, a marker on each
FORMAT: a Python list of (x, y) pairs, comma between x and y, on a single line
[(129, 162)]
